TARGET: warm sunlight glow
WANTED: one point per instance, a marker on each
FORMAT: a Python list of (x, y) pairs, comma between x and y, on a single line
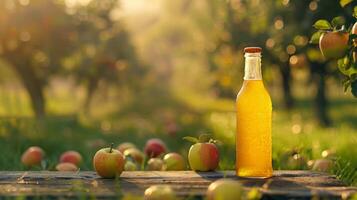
[(73, 3)]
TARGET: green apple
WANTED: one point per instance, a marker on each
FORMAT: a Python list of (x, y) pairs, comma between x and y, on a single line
[(32, 156), (135, 154), (155, 164), (225, 189), (159, 192), (174, 162), (130, 166), (108, 162)]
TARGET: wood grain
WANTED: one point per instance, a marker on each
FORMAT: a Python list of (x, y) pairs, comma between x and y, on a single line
[(54, 185)]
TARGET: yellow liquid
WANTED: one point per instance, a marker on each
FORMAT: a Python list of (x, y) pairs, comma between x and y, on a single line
[(253, 141)]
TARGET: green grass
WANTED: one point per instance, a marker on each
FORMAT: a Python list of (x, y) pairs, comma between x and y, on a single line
[(294, 132)]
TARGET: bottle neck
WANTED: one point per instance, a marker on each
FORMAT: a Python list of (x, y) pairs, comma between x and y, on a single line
[(252, 69)]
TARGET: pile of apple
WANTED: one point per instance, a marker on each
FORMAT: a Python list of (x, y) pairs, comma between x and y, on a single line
[(202, 156), (111, 162)]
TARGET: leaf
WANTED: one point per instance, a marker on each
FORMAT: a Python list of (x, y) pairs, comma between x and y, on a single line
[(341, 63), (343, 3), (346, 84), (355, 12), (354, 88), (346, 67), (204, 138), (322, 24), (315, 38), (190, 139), (338, 21)]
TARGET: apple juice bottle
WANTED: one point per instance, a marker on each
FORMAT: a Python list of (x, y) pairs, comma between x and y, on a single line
[(254, 112)]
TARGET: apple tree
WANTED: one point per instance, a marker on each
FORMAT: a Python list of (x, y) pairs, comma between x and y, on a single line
[(337, 42), (34, 37), (105, 53)]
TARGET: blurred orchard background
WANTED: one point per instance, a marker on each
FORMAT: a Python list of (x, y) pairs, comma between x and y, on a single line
[(80, 74)]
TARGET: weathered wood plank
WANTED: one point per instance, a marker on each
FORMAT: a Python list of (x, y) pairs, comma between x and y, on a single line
[(284, 184)]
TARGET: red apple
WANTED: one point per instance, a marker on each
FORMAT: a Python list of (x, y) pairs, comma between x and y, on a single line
[(154, 147), (334, 44), (135, 154), (108, 162), (66, 167), (71, 157), (203, 157), (32, 156), (124, 146), (174, 162), (159, 192), (226, 189), (155, 164)]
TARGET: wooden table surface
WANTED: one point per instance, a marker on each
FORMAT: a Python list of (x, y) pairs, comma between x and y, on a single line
[(51, 184)]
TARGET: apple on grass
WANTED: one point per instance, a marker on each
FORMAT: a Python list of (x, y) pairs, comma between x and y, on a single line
[(154, 147), (108, 162), (155, 164), (174, 162), (159, 192), (225, 189), (204, 154), (135, 154), (32, 156), (323, 165), (66, 166), (124, 146), (71, 157), (130, 166)]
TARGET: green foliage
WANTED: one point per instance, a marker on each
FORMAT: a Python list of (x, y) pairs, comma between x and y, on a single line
[(345, 171), (315, 38), (348, 64), (191, 139), (322, 25), (343, 3)]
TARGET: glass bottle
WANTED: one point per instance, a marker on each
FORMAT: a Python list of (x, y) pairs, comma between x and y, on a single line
[(254, 113)]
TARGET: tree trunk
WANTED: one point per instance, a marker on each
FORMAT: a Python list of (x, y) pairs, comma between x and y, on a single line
[(285, 73), (34, 87), (320, 99), (284, 69), (91, 87)]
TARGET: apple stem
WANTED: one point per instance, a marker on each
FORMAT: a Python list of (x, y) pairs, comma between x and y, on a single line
[(111, 147)]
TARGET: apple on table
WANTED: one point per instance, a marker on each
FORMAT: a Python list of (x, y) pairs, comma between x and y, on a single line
[(108, 162), (174, 162), (204, 154), (159, 192), (226, 189)]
